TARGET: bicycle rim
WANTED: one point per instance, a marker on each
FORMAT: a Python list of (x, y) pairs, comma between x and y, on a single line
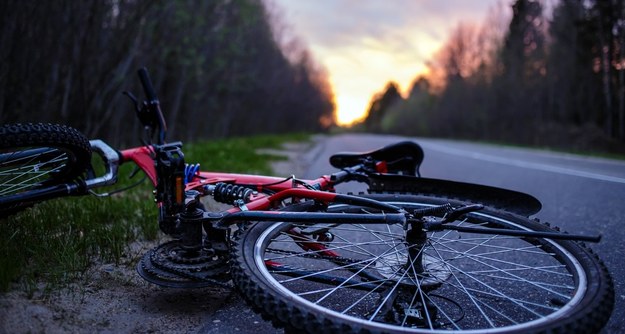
[(472, 283)]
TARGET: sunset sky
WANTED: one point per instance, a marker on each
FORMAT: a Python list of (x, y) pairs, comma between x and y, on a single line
[(364, 44)]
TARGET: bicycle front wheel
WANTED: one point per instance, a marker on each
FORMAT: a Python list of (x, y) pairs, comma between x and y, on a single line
[(37, 155), (357, 277)]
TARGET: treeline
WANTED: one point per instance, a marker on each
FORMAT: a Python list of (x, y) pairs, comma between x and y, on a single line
[(557, 80), (218, 66)]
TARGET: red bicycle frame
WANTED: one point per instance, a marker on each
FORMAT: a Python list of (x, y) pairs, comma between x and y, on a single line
[(144, 158)]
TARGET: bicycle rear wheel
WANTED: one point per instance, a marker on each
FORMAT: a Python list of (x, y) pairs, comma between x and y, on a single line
[(37, 155), (357, 278)]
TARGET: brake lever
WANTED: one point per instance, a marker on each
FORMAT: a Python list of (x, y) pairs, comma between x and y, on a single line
[(454, 214), (134, 100), (142, 112)]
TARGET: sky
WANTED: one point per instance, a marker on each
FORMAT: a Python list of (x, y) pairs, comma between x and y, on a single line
[(364, 44)]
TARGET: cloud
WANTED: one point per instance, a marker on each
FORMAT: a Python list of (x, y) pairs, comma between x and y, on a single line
[(336, 23), (366, 43)]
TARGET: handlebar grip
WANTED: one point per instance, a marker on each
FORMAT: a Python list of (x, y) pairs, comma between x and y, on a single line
[(150, 93), (339, 177), (346, 174)]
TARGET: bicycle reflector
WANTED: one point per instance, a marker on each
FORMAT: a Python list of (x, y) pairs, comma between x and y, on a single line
[(179, 189)]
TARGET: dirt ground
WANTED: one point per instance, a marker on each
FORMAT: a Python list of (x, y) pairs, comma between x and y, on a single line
[(115, 299)]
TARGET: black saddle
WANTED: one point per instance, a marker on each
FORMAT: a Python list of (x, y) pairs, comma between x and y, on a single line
[(402, 158)]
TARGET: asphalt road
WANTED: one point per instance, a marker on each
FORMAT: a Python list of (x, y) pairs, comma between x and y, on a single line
[(581, 195)]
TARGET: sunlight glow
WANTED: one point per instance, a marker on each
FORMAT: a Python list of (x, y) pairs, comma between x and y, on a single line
[(377, 42), (349, 109), (357, 74)]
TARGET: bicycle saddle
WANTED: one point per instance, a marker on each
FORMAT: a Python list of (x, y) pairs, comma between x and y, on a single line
[(401, 158)]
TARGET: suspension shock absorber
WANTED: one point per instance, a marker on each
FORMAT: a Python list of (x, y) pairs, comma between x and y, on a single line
[(191, 223), (230, 193)]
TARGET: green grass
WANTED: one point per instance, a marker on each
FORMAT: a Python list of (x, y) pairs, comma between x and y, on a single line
[(57, 241), (238, 155)]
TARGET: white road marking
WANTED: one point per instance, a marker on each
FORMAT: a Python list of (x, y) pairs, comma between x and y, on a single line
[(523, 164)]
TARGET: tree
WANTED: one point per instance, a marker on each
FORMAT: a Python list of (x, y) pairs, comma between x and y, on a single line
[(523, 59), (412, 115), (574, 86), (380, 103), (216, 65), (586, 84), (558, 82)]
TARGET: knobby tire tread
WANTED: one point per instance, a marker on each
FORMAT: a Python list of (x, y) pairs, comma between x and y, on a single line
[(20, 135)]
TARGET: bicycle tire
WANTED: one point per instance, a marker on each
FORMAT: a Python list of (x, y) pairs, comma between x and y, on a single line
[(38, 155), (503, 287)]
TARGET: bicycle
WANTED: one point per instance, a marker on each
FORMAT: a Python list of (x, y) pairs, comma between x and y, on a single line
[(414, 254)]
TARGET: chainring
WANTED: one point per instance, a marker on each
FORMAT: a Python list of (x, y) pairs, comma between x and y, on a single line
[(172, 266)]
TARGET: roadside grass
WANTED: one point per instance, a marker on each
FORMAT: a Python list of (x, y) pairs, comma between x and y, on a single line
[(56, 242)]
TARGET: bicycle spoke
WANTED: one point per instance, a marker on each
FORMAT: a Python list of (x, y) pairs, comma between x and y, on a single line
[(351, 277), (393, 278), (31, 172), (495, 292), (479, 259)]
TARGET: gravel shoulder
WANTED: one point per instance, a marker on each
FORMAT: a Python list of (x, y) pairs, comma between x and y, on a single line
[(114, 299)]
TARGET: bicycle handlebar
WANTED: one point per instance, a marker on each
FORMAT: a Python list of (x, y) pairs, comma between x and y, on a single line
[(111, 159), (346, 174), (152, 105), (148, 88)]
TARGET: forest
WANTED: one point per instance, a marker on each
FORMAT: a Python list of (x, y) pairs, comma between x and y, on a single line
[(220, 68), (550, 74), (538, 72)]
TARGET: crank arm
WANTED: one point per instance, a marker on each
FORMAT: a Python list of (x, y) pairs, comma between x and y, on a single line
[(520, 233)]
